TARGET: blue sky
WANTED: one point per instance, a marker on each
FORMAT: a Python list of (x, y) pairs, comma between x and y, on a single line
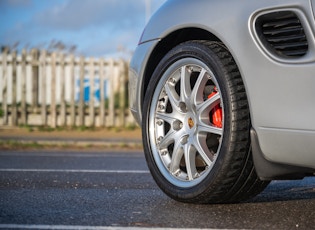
[(99, 28)]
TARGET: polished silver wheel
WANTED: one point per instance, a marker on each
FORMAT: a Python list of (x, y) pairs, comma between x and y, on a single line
[(185, 140)]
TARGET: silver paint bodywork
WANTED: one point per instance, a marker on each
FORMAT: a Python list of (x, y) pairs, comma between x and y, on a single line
[(281, 91)]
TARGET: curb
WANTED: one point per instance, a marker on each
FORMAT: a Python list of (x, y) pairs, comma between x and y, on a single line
[(80, 142), (15, 137)]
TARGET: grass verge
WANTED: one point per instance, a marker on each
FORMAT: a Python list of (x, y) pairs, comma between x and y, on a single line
[(34, 145)]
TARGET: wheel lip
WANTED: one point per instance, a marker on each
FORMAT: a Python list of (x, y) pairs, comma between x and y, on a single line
[(169, 70)]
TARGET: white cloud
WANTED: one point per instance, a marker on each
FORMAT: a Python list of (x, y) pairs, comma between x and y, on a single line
[(79, 14), (96, 27)]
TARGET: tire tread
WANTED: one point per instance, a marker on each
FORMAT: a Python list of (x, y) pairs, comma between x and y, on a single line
[(241, 180)]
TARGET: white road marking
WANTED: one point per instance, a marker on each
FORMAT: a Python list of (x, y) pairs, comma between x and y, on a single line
[(78, 227), (77, 171)]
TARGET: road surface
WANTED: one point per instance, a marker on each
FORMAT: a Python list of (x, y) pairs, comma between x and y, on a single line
[(108, 190)]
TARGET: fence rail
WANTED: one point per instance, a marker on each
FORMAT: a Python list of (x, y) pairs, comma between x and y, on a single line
[(53, 89)]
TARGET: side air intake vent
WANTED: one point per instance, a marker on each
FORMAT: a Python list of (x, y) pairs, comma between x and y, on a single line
[(283, 33)]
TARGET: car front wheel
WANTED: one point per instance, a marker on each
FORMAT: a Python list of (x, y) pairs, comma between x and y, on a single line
[(196, 125)]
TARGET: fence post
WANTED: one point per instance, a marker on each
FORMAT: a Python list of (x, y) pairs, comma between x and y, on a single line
[(53, 92), (43, 88), (35, 73), (111, 102), (14, 90), (5, 86), (62, 93), (91, 96), (102, 92), (81, 99), (72, 85), (23, 95)]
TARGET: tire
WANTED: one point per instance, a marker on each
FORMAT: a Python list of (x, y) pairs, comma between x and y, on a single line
[(193, 156)]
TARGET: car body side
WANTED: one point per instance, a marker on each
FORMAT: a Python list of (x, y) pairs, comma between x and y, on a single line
[(280, 91)]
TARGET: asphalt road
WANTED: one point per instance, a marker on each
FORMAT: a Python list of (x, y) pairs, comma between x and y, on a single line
[(94, 190)]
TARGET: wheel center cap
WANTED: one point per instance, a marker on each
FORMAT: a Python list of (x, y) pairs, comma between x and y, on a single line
[(191, 122)]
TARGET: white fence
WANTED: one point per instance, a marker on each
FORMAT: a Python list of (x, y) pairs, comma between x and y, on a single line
[(52, 89)]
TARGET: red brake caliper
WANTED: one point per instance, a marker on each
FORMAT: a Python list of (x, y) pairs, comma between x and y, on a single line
[(216, 112)]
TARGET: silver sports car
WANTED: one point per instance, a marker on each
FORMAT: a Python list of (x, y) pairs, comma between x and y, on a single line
[(225, 94)]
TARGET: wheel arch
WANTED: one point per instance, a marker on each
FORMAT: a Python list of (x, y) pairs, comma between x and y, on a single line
[(167, 43)]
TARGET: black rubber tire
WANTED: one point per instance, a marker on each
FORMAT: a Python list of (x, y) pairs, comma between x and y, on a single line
[(233, 177)]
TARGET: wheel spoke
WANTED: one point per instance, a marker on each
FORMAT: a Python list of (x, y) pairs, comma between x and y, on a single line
[(202, 148), (185, 88), (204, 128), (172, 96), (168, 117), (171, 137), (168, 139), (176, 157), (190, 160), (197, 93), (206, 106)]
